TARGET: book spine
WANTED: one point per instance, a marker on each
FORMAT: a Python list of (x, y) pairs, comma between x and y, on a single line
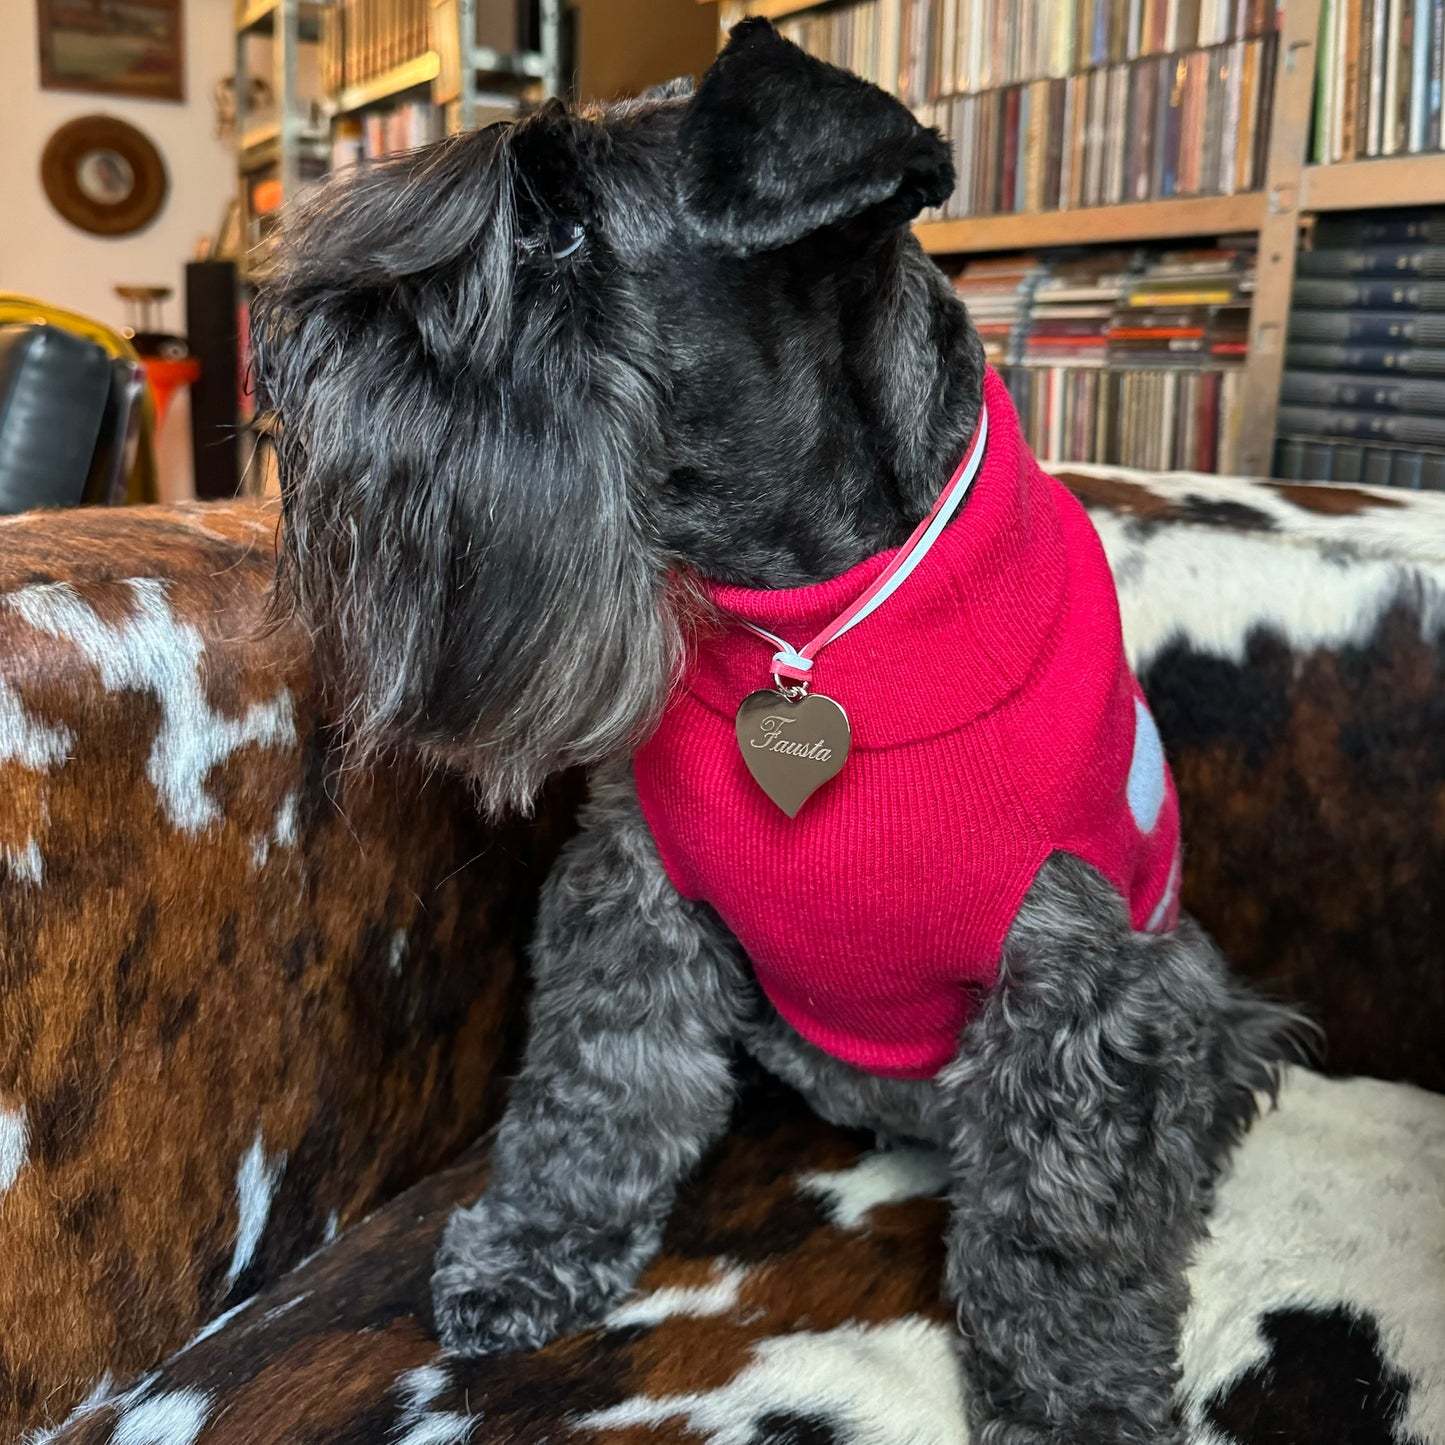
[(1350, 93), (1376, 327), (1378, 261), (1036, 107), (1324, 84), (1244, 140), (1009, 178), (1325, 355), (1140, 133), (1419, 75), (1376, 295), (1364, 393), (1437, 74), (1379, 41), (1231, 84), (1216, 144), (1268, 58), (1390, 98), (1381, 426), (1366, 69), (1337, 48), (1174, 105), (1334, 231), (948, 49)]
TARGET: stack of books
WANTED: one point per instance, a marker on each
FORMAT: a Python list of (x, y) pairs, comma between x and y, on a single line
[(366, 38), (1073, 307), (998, 293), (1188, 308), (1129, 358), (1363, 397), (1378, 84), (383, 131)]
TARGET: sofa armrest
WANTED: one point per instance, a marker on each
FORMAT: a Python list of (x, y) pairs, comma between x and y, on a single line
[(246, 992), (1291, 640)]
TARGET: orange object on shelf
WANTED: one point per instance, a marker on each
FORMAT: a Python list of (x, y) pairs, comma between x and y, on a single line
[(166, 377), (265, 196)]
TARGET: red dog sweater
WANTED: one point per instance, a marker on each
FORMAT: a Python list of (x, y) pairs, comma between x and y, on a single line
[(994, 720)]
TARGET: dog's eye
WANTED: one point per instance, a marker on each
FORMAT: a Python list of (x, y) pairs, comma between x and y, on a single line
[(565, 236)]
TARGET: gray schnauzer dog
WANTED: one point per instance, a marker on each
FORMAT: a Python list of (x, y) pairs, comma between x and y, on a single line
[(532, 388)]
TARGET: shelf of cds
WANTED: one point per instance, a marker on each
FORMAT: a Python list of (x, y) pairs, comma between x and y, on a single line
[(1380, 82), (1145, 124), (1066, 104), (1127, 123), (1128, 357)]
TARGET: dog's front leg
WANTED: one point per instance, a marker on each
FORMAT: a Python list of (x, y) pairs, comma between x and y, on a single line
[(1089, 1105), (626, 1079)]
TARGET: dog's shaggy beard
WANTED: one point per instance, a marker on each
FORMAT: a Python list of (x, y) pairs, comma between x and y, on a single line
[(458, 465)]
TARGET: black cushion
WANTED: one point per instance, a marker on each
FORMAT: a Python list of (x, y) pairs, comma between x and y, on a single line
[(54, 387)]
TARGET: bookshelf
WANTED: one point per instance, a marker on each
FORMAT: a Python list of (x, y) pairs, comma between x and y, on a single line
[(337, 70), (1292, 193), (287, 138), (332, 65)]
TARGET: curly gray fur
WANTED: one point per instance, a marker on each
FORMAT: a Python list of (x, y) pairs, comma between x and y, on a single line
[(638, 998), (1088, 1110)]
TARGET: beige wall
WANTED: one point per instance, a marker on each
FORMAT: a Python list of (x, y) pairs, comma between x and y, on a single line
[(623, 46), (42, 255)]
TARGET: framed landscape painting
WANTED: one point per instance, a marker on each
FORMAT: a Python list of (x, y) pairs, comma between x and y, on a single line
[(132, 48)]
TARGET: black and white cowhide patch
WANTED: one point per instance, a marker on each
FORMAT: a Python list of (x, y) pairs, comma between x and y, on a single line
[(1318, 1317)]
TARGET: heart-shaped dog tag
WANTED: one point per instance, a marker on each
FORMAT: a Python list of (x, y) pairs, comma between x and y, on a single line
[(792, 747)]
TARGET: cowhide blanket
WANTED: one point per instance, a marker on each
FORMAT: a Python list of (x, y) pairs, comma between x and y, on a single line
[(796, 1304), (248, 995)]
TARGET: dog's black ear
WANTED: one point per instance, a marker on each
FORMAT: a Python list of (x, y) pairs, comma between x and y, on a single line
[(777, 145)]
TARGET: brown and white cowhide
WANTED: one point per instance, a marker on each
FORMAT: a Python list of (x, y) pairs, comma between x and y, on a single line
[(795, 1303), (243, 993), (1291, 640), (246, 993)]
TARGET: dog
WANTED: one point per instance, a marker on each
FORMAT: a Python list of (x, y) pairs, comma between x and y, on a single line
[(544, 398)]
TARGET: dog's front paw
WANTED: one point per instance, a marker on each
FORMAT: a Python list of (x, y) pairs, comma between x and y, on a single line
[(501, 1284)]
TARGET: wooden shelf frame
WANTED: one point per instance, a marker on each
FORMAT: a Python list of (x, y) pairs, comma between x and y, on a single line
[(419, 70), (1389, 181), (1136, 221), (259, 17), (772, 9)]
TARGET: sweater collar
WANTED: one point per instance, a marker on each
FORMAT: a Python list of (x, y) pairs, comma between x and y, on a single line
[(961, 634)]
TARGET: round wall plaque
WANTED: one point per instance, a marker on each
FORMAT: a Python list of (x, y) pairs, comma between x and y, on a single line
[(103, 175)]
